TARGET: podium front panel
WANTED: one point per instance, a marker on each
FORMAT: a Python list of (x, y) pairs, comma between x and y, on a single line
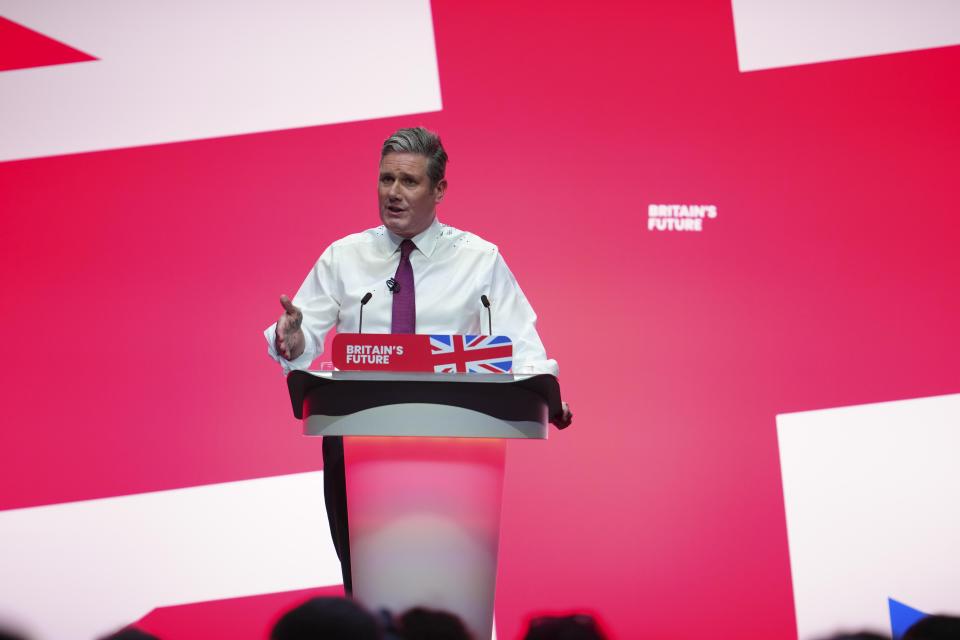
[(424, 518)]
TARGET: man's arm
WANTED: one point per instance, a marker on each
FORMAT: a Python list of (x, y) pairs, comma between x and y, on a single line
[(296, 339), (516, 318)]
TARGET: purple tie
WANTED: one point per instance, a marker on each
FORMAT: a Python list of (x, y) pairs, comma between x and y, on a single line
[(404, 298)]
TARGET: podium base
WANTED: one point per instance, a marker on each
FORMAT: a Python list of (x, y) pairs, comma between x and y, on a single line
[(424, 518)]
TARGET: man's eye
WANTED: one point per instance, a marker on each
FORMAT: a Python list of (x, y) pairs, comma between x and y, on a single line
[(409, 181), (385, 179)]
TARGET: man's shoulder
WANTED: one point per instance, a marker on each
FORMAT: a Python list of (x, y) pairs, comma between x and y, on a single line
[(363, 242), (368, 236), (461, 240)]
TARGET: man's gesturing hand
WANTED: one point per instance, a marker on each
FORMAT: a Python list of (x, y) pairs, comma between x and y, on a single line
[(289, 340), (564, 418)]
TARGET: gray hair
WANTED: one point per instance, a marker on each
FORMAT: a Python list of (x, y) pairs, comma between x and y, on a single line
[(422, 142)]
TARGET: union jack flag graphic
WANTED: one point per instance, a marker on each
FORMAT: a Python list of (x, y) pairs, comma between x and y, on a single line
[(471, 354)]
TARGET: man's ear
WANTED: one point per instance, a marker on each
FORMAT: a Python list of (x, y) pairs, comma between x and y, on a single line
[(440, 189)]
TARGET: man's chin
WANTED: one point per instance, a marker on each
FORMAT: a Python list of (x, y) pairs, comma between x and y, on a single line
[(402, 232), (402, 226), (394, 227)]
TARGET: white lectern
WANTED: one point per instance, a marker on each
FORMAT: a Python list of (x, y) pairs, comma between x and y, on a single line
[(424, 457)]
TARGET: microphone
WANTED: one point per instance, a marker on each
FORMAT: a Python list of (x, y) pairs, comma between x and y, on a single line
[(485, 301), (363, 301), (393, 285)]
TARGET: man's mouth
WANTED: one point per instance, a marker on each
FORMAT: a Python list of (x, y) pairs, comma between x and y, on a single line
[(395, 208)]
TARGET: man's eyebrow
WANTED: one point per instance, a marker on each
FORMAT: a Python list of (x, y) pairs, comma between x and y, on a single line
[(402, 174)]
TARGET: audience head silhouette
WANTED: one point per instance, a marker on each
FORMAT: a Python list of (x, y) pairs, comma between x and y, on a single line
[(575, 627), (427, 624), (327, 619), (130, 633), (10, 634), (938, 627)]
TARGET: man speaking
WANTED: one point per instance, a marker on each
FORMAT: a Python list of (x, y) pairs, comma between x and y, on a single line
[(422, 276)]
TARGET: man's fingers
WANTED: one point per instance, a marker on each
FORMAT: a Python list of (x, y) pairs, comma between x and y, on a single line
[(288, 306), (564, 418), (292, 317)]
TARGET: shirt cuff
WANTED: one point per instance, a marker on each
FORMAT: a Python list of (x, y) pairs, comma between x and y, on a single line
[(301, 362), (536, 367)]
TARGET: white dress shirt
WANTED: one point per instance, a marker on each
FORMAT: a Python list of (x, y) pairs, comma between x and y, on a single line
[(451, 270)]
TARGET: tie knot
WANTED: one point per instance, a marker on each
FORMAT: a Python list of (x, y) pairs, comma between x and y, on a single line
[(406, 247)]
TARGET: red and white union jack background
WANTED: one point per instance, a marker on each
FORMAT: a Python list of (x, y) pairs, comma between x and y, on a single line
[(170, 168)]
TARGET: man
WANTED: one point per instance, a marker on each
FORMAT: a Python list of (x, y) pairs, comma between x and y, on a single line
[(423, 276)]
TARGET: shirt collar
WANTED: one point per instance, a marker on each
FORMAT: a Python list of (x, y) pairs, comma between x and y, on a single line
[(426, 240)]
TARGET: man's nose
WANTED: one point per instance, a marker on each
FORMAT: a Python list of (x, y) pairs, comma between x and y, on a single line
[(392, 192)]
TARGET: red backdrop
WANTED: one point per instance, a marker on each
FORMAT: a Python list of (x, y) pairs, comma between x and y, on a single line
[(828, 278)]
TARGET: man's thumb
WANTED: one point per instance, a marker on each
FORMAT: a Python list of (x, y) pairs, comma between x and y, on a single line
[(287, 305)]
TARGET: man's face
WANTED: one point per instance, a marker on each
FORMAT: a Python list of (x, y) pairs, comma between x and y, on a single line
[(408, 204)]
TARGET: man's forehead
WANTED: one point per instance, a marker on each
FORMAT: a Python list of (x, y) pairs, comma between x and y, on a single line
[(403, 161)]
